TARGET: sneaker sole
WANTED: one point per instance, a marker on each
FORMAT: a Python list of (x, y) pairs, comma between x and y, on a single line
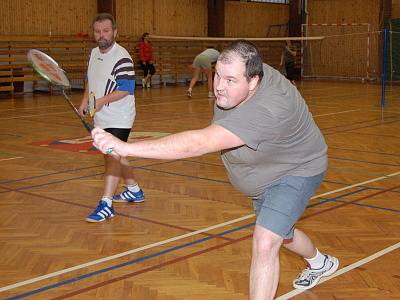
[(127, 201), (97, 221), (326, 274)]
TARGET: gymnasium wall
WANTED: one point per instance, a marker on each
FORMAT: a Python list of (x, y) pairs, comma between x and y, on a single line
[(395, 9), (46, 17), (343, 11), (181, 18), (255, 18), (161, 17)]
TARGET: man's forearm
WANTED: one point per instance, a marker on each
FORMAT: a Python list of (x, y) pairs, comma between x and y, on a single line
[(181, 145)]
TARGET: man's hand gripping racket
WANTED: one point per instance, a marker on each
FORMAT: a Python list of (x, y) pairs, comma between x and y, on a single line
[(108, 144)]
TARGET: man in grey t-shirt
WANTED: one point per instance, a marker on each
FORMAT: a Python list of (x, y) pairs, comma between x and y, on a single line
[(273, 152)]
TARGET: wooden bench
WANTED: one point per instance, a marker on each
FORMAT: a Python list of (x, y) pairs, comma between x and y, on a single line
[(172, 58)]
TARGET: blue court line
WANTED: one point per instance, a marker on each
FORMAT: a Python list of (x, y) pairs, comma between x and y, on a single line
[(131, 262), (146, 168), (377, 134), (356, 128), (147, 257), (337, 199), (347, 183), (97, 174), (326, 200), (379, 120), (363, 151), (367, 205), (102, 165), (381, 189), (365, 161)]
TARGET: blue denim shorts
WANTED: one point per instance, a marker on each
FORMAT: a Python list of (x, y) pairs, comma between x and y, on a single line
[(283, 203)]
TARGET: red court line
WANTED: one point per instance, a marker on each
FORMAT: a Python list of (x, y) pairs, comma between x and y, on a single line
[(350, 202), (119, 214), (166, 263), (133, 274)]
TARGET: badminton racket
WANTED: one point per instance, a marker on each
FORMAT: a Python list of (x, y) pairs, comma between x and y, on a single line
[(49, 69)]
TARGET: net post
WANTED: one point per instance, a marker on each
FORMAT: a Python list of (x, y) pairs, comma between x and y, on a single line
[(384, 63)]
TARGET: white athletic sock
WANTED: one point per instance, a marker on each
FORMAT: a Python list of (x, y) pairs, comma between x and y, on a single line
[(317, 262), (133, 188), (108, 200)]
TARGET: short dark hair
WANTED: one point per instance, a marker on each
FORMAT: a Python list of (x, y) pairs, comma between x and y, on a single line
[(248, 53), (145, 35), (105, 16)]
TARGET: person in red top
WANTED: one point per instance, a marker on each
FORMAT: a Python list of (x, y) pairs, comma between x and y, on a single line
[(146, 60)]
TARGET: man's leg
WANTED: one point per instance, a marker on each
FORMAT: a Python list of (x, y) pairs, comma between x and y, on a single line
[(264, 272), (112, 175), (104, 209), (127, 173), (319, 264), (301, 245), (195, 77), (208, 73)]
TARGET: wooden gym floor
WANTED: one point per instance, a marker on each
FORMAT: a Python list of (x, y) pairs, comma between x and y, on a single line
[(191, 238)]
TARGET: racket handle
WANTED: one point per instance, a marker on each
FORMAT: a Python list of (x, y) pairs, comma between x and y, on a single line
[(88, 126)]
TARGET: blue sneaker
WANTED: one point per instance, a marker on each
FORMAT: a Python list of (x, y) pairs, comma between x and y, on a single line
[(101, 213), (128, 196)]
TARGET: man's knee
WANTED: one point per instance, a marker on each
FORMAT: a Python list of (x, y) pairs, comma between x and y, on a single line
[(265, 242)]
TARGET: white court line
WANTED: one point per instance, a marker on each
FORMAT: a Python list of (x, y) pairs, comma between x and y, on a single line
[(345, 269), (357, 184), (33, 107), (13, 286), (37, 115), (105, 259), (11, 158), (336, 113)]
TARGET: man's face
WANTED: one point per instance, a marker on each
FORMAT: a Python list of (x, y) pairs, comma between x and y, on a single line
[(231, 87), (104, 34)]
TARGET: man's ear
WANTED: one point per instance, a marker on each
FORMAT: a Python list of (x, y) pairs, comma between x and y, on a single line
[(253, 83)]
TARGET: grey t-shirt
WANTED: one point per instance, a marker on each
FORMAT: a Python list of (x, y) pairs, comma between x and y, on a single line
[(280, 136)]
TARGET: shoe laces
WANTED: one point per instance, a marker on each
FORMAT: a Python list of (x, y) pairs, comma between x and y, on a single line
[(101, 206), (305, 274)]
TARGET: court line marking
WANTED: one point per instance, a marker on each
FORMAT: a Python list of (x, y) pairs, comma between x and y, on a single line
[(141, 259), (336, 113), (33, 116), (105, 259), (163, 242), (345, 269), (11, 158), (40, 107)]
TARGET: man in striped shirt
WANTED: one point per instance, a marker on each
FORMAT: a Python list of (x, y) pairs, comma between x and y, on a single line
[(110, 78)]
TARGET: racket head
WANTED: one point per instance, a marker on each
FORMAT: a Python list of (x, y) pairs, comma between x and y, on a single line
[(92, 104), (48, 68)]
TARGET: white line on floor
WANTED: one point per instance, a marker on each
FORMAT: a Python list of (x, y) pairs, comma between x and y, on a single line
[(129, 252), (345, 269)]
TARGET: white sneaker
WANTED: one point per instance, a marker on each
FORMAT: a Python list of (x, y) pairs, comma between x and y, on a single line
[(310, 277), (143, 83), (189, 93), (148, 85), (210, 95)]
